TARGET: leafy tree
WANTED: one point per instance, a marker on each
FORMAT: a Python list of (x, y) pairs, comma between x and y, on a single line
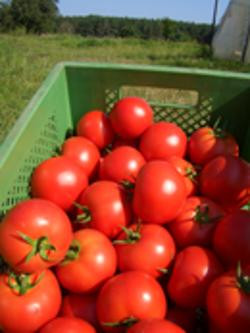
[(37, 16), (6, 20)]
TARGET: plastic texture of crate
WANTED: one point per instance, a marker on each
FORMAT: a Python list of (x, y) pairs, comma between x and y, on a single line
[(189, 97)]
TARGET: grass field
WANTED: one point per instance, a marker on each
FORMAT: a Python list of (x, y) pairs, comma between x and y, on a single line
[(25, 60)]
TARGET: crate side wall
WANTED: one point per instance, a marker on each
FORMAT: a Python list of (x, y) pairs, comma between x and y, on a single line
[(39, 131)]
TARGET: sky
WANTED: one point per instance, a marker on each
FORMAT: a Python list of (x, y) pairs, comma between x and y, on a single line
[(185, 10)]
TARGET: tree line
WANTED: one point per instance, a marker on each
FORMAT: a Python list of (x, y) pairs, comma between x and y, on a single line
[(42, 16)]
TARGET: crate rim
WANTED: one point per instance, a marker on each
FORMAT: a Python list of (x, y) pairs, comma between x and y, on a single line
[(27, 113)]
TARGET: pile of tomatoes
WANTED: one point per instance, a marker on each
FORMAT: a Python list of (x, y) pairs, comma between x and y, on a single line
[(132, 228)]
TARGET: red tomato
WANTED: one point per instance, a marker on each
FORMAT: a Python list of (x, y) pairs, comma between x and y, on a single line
[(96, 127), (163, 140), (91, 260), (28, 301), (83, 152), (160, 192), (80, 306), (147, 248), (194, 270), (187, 170), (59, 180), (155, 326), (68, 325), (185, 318), (106, 207), (131, 116), (225, 179), (128, 297), (207, 143), (232, 238), (196, 223), (34, 235), (228, 302), (123, 163)]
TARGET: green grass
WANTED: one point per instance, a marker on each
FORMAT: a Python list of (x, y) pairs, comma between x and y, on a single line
[(25, 60)]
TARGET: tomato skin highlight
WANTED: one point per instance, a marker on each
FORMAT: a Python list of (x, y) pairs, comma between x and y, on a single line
[(154, 250), (67, 325), (228, 305), (32, 310), (159, 193), (194, 270), (80, 306), (196, 223), (108, 206), (96, 126), (163, 140), (131, 116), (123, 163), (131, 294), (59, 180), (231, 238), (94, 264), (204, 145), (83, 152), (226, 180), (36, 219), (155, 326)]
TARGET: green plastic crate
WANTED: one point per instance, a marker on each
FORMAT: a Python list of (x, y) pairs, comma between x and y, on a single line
[(189, 97)]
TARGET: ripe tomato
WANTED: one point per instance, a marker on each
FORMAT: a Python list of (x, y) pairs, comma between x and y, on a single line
[(128, 297), (67, 325), (35, 234), (228, 302), (84, 152), (96, 127), (155, 326), (105, 207), (163, 140), (207, 143), (28, 301), (187, 170), (196, 223), (123, 163), (194, 270), (91, 260), (131, 116), (159, 193), (231, 238), (80, 306), (147, 248), (185, 318), (226, 180), (59, 180)]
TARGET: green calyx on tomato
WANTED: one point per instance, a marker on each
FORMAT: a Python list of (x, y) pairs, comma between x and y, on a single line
[(73, 252), (21, 283), (191, 174), (128, 322), (202, 215), (246, 207), (127, 185), (242, 281), (132, 237), (85, 216), (39, 246), (217, 131)]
